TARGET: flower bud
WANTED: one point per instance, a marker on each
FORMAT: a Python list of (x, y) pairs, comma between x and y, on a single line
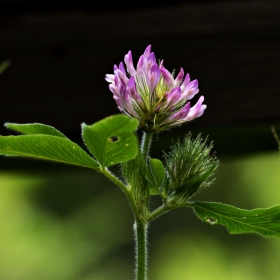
[(189, 166)]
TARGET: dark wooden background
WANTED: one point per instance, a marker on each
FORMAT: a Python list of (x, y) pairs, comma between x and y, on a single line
[(61, 50)]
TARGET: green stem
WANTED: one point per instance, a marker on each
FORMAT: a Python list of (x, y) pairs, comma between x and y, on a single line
[(140, 230), (166, 208), (123, 187), (140, 225), (146, 143), (115, 180), (140, 233)]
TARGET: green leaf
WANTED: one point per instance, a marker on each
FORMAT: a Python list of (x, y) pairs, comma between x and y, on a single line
[(34, 128), (112, 140), (155, 174), (46, 147), (265, 222)]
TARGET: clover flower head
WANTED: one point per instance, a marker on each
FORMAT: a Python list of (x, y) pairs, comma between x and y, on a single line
[(151, 94)]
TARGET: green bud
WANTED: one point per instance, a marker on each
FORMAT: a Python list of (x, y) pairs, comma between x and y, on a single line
[(189, 165)]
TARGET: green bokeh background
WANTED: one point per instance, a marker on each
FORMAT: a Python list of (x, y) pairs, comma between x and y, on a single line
[(59, 222)]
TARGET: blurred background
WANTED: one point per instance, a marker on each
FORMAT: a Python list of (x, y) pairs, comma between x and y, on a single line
[(59, 222)]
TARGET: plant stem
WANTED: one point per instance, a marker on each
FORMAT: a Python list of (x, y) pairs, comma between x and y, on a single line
[(140, 233), (146, 143), (141, 225), (115, 180), (166, 208)]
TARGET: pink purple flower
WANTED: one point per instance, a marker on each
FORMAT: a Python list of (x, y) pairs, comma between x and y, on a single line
[(151, 94)]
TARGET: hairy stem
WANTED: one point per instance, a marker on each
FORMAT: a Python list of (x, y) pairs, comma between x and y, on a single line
[(146, 143), (140, 233), (166, 208), (115, 180)]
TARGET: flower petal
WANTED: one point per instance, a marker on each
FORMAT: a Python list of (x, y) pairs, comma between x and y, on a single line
[(126, 101), (179, 78), (151, 60), (113, 89), (190, 90), (119, 103), (153, 77), (173, 96), (168, 79), (131, 89), (197, 110), (147, 51), (121, 67), (129, 63), (110, 78), (179, 116), (140, 65), (185, 82)]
